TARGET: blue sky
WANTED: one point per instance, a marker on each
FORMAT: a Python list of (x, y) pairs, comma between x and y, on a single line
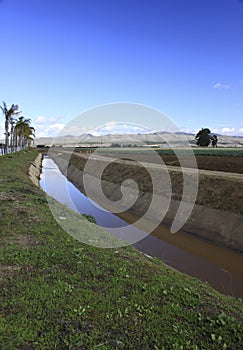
[(183, 58)]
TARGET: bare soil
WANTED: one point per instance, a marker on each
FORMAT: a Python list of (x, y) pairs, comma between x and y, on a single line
[(231, 164), (217, 163)]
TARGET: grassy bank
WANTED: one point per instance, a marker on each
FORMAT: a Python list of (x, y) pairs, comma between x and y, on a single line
[(57, 293)]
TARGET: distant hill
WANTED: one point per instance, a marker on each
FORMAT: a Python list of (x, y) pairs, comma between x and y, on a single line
[(157, 138)]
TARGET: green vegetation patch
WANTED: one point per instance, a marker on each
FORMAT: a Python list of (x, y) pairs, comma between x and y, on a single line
[(198, 151), (58, 293), (205, 151)]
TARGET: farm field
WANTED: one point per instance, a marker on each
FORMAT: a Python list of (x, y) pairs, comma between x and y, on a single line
[(232, 164), (220, 159), (216, 159)]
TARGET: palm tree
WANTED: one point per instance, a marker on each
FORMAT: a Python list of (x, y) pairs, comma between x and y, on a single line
[(24, 132), (9, 114), (29, 135), (12, 128)]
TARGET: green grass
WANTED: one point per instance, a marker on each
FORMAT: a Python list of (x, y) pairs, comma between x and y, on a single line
[(198, 151), (57, 293)]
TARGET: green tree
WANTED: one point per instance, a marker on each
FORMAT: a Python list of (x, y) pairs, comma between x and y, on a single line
[(12, 128), (9, 115), (24, 132), (203, 137)]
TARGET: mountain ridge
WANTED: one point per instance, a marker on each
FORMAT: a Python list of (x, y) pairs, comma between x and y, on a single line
[(157, 138)]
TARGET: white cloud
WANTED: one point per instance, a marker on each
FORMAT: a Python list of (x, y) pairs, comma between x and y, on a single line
[(241, 130), (49, 130), (47, 126), (221, 86), (57, 127), (113, 127), (190, 130), (40, 120), (228, 130), (47, 120), (74, 130), (110, 126)]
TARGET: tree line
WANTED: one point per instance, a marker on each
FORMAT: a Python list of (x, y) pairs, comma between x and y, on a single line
[(18, 130)]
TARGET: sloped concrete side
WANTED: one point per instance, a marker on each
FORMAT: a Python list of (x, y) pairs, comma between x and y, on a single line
[(217, 222), (35, 170)]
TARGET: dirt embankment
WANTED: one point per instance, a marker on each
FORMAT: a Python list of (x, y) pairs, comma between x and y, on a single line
[(216, 216), (215, 163)]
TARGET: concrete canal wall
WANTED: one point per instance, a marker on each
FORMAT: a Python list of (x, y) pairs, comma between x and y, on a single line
[(35, 170), (217, 215)]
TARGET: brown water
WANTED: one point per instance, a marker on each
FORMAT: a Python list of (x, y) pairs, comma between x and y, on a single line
[(222, 268)]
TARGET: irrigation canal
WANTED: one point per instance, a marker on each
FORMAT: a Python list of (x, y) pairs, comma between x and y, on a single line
[(222, 268)]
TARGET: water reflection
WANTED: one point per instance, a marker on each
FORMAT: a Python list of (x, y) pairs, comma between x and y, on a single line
[(190, 262)]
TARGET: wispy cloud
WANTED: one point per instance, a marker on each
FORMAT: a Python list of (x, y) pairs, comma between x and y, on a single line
[(47, 120), (221, 86), (189, 130), (113, 127), (48, 126), (49, 130), (228, 130)]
